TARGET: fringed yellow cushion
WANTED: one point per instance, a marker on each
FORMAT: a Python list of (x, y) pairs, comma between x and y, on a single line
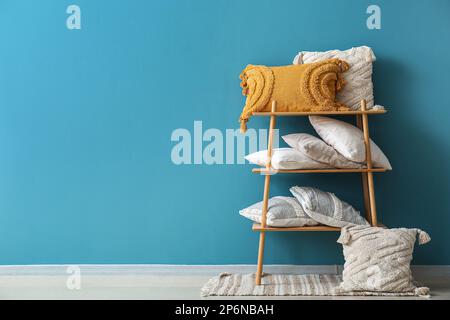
[(304, 87)]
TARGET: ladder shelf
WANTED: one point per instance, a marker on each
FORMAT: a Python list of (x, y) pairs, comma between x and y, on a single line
[(267, 171)]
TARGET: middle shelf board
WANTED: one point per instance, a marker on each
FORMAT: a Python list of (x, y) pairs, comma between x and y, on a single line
[(272, 171), (258, 227), (319, 113)]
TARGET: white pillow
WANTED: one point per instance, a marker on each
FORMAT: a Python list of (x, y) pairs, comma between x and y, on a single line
[(359, 76), (282, 212), (377, 260), (348, 140), (318, 150), (285, 159), (326, 208)]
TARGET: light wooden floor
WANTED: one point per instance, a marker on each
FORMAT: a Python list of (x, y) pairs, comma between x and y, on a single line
[(161, 285)]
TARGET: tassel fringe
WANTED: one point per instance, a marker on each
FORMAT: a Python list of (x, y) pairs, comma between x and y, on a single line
[(345, 236), (423, 237), (243, 125)]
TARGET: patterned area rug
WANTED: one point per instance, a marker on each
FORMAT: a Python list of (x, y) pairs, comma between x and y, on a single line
[(227, 284)]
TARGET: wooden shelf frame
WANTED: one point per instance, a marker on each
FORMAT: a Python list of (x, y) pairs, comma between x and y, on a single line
[(366, 175)]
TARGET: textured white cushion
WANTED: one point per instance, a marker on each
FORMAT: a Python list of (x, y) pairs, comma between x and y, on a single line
[(348, 140), (282, 212), (285, 159), (326, 208), (359, 76), (378, 260), (318, 150)]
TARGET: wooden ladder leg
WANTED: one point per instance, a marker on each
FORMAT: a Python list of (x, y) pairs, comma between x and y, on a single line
[(365, 187), (371, 189), (262, 235)]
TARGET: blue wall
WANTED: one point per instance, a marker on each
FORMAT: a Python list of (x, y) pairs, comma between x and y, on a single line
[(86, 118)]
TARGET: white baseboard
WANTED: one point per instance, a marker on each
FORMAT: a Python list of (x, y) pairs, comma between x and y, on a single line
[(164, 269), (160, 269)]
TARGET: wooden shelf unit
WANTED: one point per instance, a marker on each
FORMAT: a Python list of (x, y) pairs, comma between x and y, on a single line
[(366, 175)]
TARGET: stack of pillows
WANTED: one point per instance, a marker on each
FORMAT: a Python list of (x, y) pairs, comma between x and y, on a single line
[(341, 145), (308, 207), (317, 81)]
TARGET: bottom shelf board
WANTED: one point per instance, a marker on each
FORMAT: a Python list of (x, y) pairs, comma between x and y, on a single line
[(257, 227)]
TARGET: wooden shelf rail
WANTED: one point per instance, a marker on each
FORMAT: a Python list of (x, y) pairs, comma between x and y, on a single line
[(273, 171), (319, 113), (258, 227)]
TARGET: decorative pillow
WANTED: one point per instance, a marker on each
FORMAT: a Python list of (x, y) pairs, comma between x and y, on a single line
[(348, 140), (358, 79), (318, 150), (326, 208), (285, 159), (378, 260), (308, 87), (282, 212)]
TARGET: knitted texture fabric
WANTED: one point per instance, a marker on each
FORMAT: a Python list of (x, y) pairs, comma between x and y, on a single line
[(282, 212), (359, 78), (306, 87), (326, 208), (378, 259)]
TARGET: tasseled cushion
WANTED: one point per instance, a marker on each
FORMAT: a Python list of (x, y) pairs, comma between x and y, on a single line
[(305, 87), (378, 260)]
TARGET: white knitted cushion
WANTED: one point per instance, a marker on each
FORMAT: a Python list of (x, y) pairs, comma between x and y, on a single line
[(326, 208), (282, 212), (318, 150), (378, 260), (359, 76)]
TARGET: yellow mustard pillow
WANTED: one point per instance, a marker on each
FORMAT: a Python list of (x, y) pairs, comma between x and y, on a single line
[(303, 87)]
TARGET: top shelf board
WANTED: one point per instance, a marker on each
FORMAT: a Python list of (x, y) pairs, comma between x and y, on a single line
[(320, 113)]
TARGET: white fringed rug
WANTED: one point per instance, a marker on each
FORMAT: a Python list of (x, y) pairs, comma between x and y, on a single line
[(227, 284)]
